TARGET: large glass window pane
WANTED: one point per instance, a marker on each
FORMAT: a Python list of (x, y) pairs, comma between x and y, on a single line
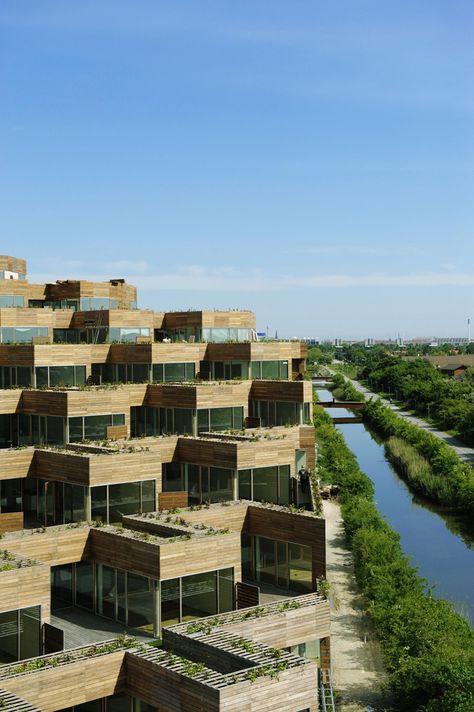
[(221, 484), (95, 426), (105, 581), (282, 564), (270, 370), (55, 426), (42, 377), (300, 568), (226, 590), (158, 372), (287, 413), (199, 595), (193, 487), (79, 375), (85, 585), (117, 703), (284, 484), (141, 373), (24, 376), (61, 375), (61, 586), (10, 495), (221, 419), (76, 432), (265, 484), (284, 370), (183, 420), (255, 369), (30, 632), (169, 601), (245, 484), (140, 602), (190, 371), (175, 372), (148, 496), (8, 636), (172, 477), (124, 498), (238, 415), (99, 503), (265, 560), (246, 544), (121, 596), (203, 420)]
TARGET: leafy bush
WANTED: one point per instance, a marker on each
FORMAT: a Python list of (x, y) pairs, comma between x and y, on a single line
[(428, 648)]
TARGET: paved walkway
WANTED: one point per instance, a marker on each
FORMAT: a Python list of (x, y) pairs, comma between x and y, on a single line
[(465, 453), (356, 656)]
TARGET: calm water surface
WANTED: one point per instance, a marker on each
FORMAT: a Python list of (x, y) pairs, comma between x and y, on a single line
[(441, 544)]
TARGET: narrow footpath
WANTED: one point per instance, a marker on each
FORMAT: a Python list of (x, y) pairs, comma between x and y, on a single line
[(356, 655), (464, 452)]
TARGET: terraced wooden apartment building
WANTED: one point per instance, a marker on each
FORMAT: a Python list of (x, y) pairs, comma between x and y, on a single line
[(148, 483)]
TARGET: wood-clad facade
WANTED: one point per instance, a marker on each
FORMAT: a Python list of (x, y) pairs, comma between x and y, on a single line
[(143, 455)]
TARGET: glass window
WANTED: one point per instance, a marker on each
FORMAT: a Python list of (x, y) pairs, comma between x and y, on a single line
[(190, 371), (148, 496), (221, 419), (42, 380), (172, 477), (246, 544), (80, 375), (300, 566), (24, 376), (121, 596), (255, 369), (199, 595), (265, 484), (61, 586), (183, 421), (141, 373), (238, 415), (287, 413), (99, 503), (61, 376), (226, 590), (282, 564), (124, 498), (10, 495), (9, 636), (193, 486), (55, 429), (175, 372), (76, 429), (140, 602), (265, 560), (221, 484), (85, 585), (284, 370), (30, 632), (117, 703), (105, 582), (270, 370), (284, 484), (203, 420), (245, 484), (95, 426), (170, 608), (158, 372), (11, 300)]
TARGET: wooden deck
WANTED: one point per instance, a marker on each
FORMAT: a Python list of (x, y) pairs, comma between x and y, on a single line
[(83, 628)]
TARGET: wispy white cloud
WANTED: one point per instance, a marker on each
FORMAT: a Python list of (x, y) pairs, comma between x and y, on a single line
[(196, 278)]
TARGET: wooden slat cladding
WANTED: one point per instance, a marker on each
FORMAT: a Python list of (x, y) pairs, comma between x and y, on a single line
[(290, 627), (168, 691), (54, 546), (12, 264), (28, 586), (16, 463), (246, 595), (257, 351), (307, 442), (207, 395), (72, 684), (10, 400), (125, 294), (299, 529), (209, 319), (168, 560), (292, 691), (11, 522), (299, 391), (172, 500), (232, 516), (97, 469)]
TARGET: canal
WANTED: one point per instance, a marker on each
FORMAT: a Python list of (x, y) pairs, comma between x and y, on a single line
[(440, 543)]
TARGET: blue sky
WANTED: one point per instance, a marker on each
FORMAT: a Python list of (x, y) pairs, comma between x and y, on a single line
[(310, 160)]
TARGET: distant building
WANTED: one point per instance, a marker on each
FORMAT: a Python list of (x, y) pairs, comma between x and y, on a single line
[(454, 370)]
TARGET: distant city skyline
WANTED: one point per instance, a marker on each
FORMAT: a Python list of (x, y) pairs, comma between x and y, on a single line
[(313, 166)]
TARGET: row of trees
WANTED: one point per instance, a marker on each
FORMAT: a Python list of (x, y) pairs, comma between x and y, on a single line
[(421, 387), (428, 648)]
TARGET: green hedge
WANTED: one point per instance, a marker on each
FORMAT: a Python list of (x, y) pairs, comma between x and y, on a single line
[(428, 648), (453, 481)]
